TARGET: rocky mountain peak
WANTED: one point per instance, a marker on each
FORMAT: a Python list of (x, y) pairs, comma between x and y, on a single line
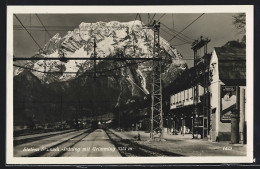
[(111, 37), (119, 83)]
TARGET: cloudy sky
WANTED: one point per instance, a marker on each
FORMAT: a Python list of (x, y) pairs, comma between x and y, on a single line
[(217, 27)]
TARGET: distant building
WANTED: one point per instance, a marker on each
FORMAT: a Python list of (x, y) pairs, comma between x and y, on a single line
[(181, 93), (226, 73)]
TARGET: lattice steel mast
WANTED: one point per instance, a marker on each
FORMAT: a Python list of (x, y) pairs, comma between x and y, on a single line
[(202, 123), (156, 126)]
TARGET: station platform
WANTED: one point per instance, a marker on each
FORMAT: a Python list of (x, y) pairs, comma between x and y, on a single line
[(185, 145)]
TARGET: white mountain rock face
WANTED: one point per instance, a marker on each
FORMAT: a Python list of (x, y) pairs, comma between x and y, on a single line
[(112, 37)]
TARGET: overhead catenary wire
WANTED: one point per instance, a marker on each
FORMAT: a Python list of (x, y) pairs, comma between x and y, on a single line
[(54, 72), (27, 68), (149, 18), (40, 30), (172, 22), (172, 34), (161, 17), (134, 22), (173, 30), (67, 28), (46, 26), (120, 67), (43, 25), (181, 44), (152, 18), (27, 31), (69, 101), (140, 17), (132, 29), (179, 38), (186, 27), (176, 32), (30, 22), (148, 24), (100, 72), (108, 70), (183, 39)]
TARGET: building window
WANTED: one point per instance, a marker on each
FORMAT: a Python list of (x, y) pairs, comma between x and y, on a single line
[(187, 94), (176, 98), (191, 93), (201, 90)]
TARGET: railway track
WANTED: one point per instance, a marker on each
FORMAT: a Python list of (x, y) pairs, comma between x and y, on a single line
[(62, 147), (128, 148), (29, 138), (40, 147), (63, 144)]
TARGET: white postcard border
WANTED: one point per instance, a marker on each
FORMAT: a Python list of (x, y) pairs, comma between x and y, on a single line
[(248, 9)]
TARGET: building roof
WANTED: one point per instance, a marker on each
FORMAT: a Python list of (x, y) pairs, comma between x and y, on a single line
[(230, 53), (232, 64), (185, 80), (232, 69)]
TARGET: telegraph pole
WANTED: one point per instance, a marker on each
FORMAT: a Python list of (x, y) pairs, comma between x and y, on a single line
[(94, 77), (61, 111), (95, 59)]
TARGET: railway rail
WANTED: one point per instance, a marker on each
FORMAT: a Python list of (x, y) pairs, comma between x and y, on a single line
[(130, 148), (99, 142), (35, 148), (33, 137)]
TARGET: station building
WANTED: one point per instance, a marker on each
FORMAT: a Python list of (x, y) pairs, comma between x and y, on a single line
[(223, 93)]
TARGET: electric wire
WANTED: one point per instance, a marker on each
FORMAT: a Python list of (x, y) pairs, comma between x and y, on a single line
[(30, 22), (149, 18), (116, 68), (43, 25), (152, 18), (180, 38), (161, 17), (172, 22), (27, 68), (120, 67), (28, 32), (186, 27), (182, 44), (55, 72), (134, 22), (176, 32), (140, 18), (99, 71)]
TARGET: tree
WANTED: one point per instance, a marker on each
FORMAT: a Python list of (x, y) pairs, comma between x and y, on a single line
[(239, 21)]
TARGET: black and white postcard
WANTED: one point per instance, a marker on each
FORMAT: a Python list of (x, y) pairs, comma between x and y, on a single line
[(129, 84)]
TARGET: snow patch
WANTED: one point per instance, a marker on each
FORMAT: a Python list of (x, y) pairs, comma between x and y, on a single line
[(143, 81), (105, 47), (121, 33)]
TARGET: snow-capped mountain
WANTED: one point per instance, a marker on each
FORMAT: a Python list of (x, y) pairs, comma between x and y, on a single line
[(112, 37), (127, 81)]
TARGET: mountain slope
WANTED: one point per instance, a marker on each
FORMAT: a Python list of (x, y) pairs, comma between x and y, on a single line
[(117, 83)]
